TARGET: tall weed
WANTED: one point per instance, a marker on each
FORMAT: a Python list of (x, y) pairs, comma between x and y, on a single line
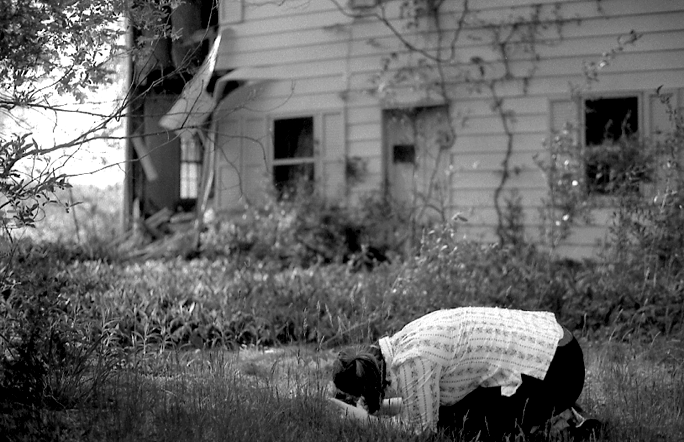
[(52, 358)]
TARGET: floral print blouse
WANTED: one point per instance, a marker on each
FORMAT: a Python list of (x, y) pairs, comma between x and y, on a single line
[(441, 357)]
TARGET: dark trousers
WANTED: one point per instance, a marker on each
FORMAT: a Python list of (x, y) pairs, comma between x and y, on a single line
[(487, 413)]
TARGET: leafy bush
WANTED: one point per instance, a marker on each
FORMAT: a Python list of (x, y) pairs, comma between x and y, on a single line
[(639, 281), (566, 204), (26, 182), (299, 231), (634, 288), (51, 354), (222, 302), (647, 231), (303, 271)]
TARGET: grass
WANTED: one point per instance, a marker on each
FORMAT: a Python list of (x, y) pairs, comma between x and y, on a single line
[(273, 333), (251, 395), (639, 390), (279, 395)]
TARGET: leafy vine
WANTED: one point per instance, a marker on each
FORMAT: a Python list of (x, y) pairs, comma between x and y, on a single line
[(431, 34)]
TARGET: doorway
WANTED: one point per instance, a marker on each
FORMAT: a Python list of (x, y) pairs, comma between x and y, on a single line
[(417, 158)]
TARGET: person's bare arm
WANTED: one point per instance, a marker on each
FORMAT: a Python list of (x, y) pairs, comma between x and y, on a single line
[(351, 411), (389, 411)]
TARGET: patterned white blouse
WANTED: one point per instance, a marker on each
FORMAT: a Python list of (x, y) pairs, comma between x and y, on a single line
[(441, 357)]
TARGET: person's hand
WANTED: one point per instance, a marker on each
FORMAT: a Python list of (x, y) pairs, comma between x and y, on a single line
[(350, 410)]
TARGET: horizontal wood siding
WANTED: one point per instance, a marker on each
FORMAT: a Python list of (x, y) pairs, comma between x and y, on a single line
[(334, 58)]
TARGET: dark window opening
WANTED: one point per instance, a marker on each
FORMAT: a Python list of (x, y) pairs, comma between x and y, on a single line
[(607, 120), (293, 138), (293, 155), (404, 153), (190, 170), (612, 155)]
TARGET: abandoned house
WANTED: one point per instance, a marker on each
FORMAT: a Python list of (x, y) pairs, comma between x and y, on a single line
[(445, 105)]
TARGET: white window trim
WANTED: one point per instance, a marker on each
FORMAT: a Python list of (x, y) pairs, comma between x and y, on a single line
[(316, 160), (609, 199)]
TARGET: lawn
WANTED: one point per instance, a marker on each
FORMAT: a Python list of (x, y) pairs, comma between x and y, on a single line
[(238, 346), (278, 394)]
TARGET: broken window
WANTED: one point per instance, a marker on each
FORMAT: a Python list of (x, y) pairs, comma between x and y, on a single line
[(190, 168), (293, 155), (613, 153)]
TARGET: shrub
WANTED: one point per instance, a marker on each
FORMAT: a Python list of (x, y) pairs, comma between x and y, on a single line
[(51, 354), (299, 231), (634, 288), (220, 302), (566, 204), (642, 260)]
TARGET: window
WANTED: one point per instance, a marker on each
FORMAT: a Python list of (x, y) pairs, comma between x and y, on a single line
[(612, 150), (293, 154), (404, 153), (190, 168)]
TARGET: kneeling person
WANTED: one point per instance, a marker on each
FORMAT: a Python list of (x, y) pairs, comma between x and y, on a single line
[(468, 370)]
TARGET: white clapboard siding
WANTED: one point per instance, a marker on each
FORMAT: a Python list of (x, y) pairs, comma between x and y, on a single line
[(333, 156), (254, 159), (334, 58), (228, 164), (479, 198)]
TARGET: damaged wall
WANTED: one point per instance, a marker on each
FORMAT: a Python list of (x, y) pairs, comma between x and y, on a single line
[(153, 178)]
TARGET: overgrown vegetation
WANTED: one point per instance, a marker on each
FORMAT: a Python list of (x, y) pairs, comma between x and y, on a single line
[(89, 335), (101, 347), (95, 347)]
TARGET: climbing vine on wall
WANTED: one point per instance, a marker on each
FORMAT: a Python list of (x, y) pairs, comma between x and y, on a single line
[(448, 50)]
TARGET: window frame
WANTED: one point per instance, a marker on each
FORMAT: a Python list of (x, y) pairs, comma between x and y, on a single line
[(315, 159), (582, 135), (189, 203)]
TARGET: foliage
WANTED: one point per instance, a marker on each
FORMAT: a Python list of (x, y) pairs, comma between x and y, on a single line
[(279, 395), (619, 167), (426, 65), (636, 283), (646, 231), (66, 315), (566, 204), (67, 44), (87, 229), (52, 355), (55, 54), (227, 302), (23, 193), (64, 42), (300, 231), (85, 311), (591, 70)]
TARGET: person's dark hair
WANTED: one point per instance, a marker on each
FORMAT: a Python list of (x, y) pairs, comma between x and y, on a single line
[(357, 373)]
